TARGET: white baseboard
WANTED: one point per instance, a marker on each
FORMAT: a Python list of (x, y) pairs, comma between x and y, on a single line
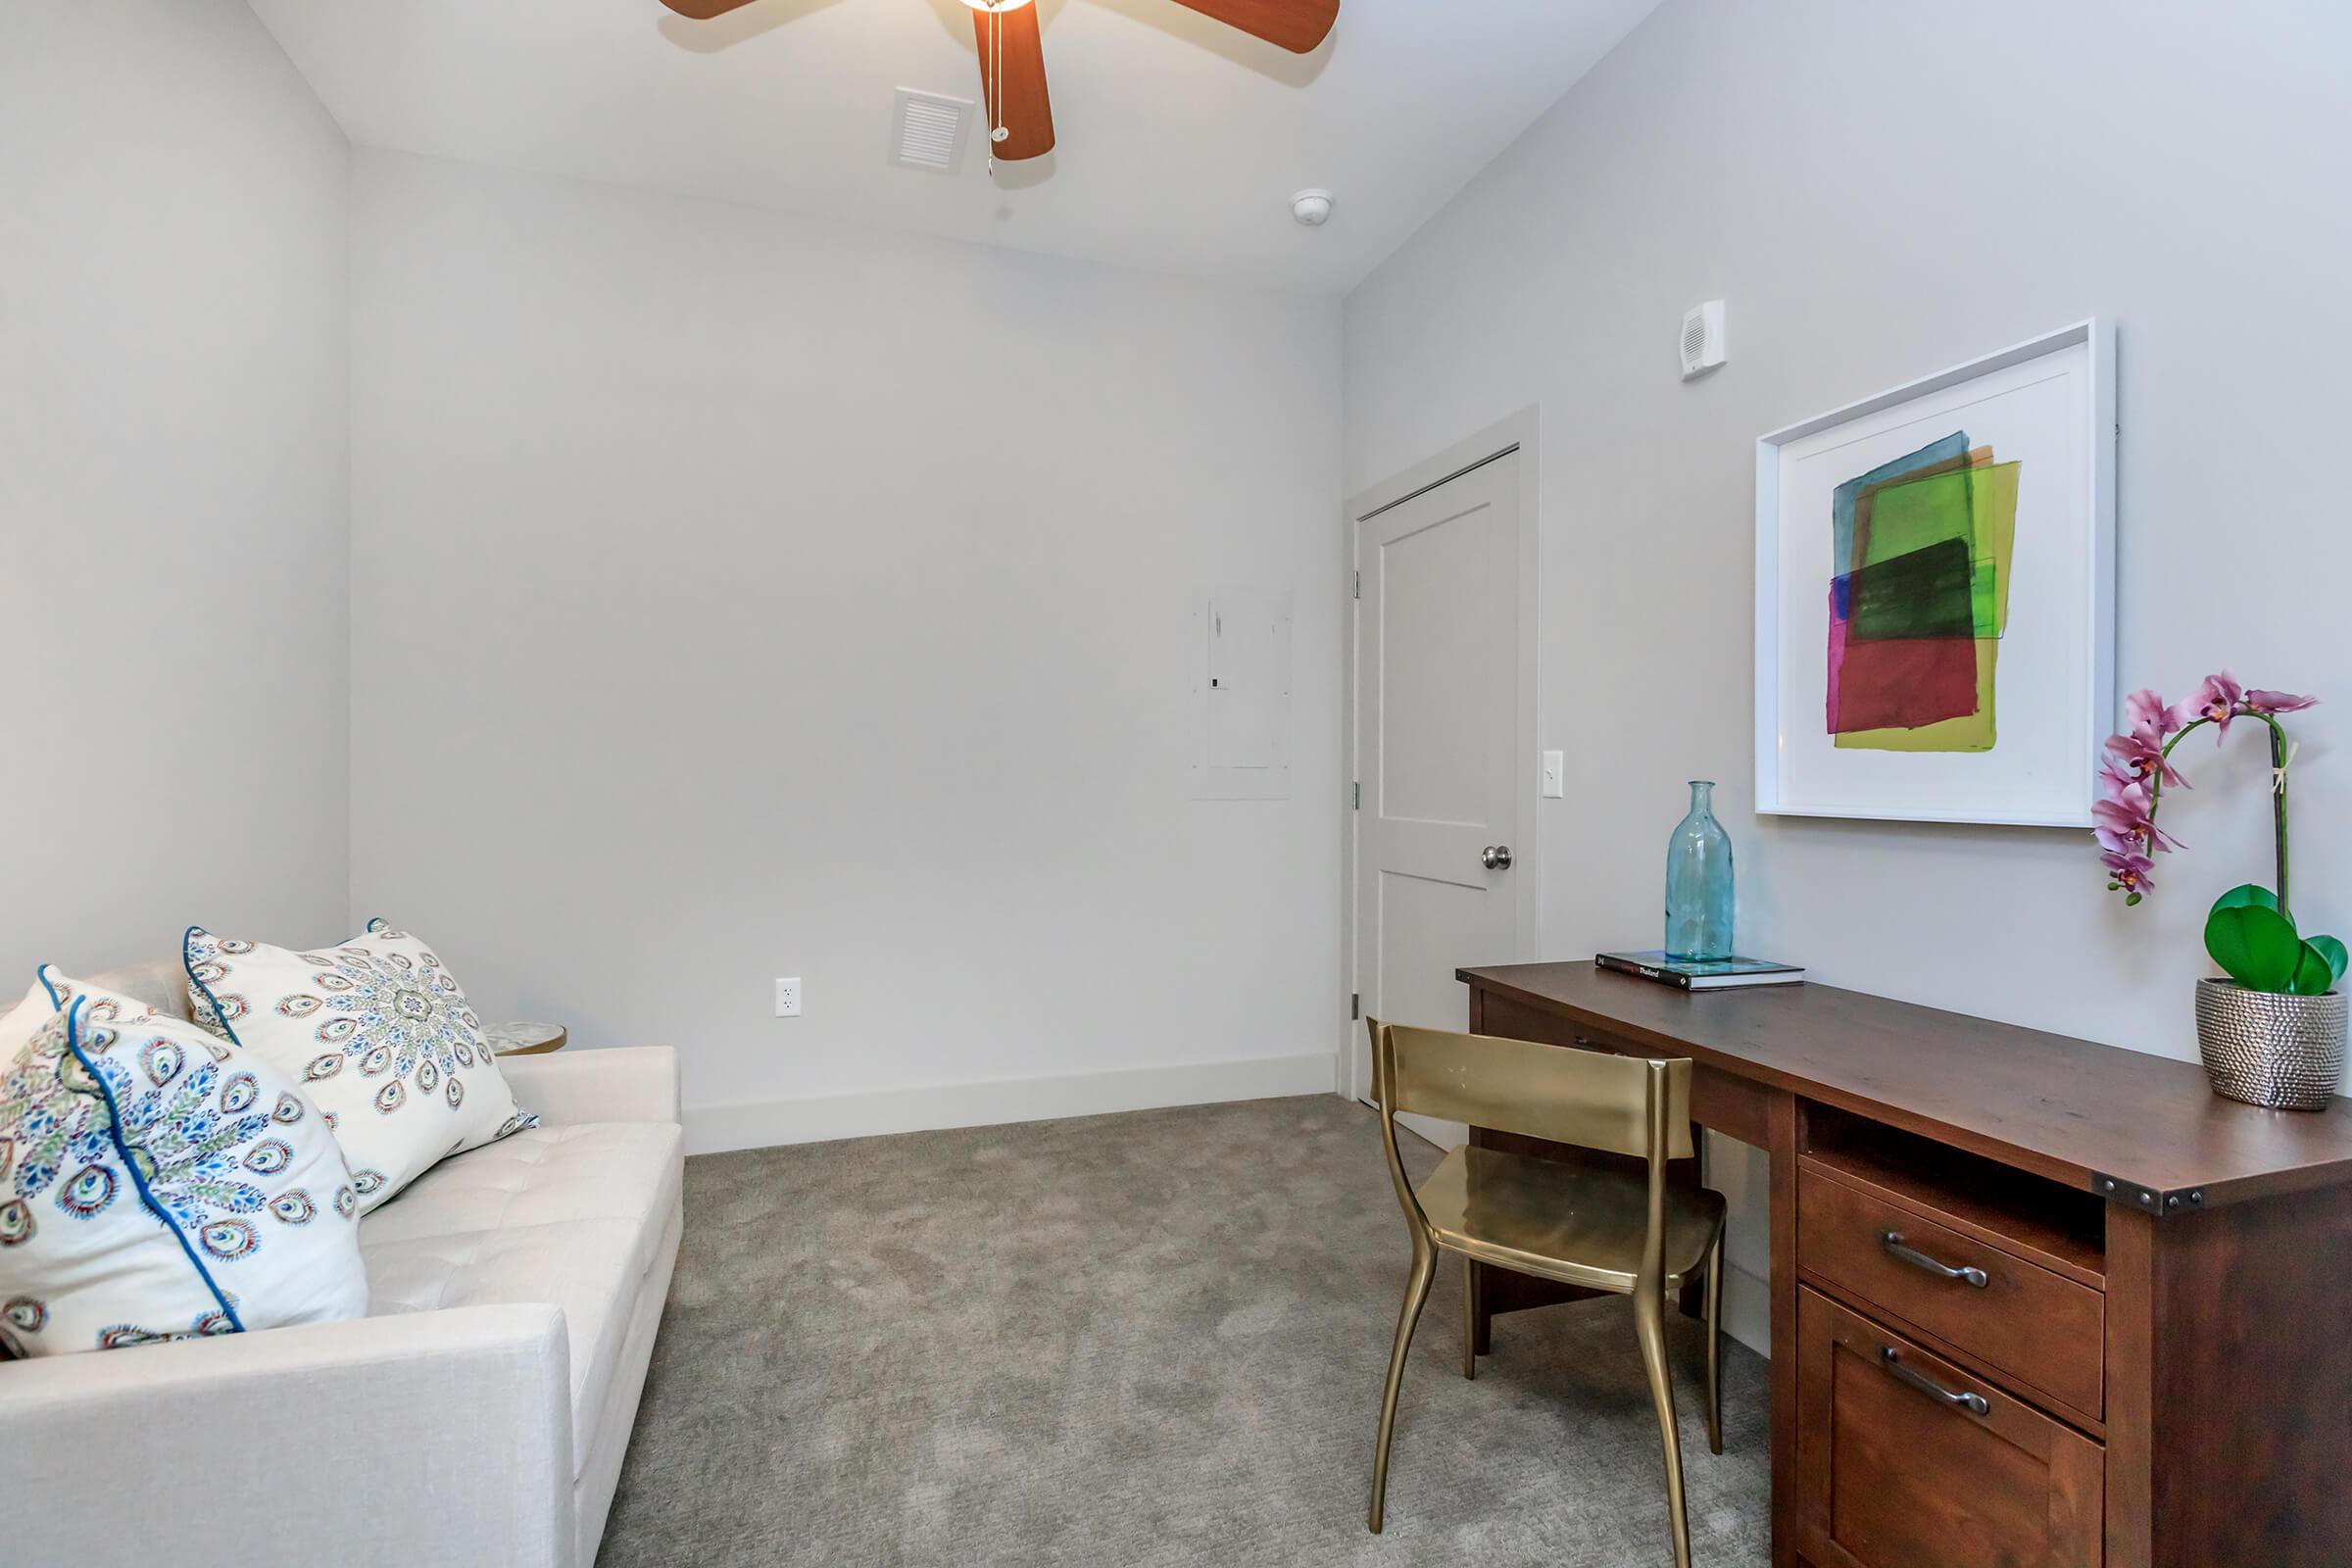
[(820, 1118)]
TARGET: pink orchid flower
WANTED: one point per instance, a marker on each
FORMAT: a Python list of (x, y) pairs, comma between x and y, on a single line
[(2264, 702), (2217, 700), (2115, 840), (2123, 826), (2133, 773), (2130, 872), (2149, 713), (2140, 757)]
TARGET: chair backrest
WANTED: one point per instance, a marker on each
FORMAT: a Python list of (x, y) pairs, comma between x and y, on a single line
[(1586, 1098)]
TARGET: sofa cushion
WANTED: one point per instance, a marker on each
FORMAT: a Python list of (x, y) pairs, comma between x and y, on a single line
[(155, 1182), (568, 1215), (586, 1267), (547, 1175), (378, 1030)]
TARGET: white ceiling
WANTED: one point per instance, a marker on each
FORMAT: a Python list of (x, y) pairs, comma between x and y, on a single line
[(1180, 140)]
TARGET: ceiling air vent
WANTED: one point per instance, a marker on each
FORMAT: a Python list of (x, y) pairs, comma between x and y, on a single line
[(928, 131)]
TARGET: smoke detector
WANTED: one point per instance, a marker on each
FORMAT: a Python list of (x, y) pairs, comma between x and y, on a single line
[(1312, 208)]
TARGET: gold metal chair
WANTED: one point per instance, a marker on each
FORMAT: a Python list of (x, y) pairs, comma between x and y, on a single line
[(1604, 1229)]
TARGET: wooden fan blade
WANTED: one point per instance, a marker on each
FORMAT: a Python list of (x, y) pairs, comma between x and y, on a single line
[(1298, 26), (1011, 47), (704, 10)]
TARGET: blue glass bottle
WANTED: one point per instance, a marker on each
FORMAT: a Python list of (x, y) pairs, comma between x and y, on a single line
[(1698, 881)]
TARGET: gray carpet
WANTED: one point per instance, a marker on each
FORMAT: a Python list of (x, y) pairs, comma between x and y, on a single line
[(1146, 1338)]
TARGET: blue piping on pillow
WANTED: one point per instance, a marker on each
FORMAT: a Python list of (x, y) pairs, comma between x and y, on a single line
[(113, 1133), (42, 975), (218, 1016)]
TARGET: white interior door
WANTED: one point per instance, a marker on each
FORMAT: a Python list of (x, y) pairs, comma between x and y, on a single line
[(1438, 672)]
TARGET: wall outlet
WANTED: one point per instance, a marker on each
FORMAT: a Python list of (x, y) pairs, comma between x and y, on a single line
[(788, 999), (1554, 775)]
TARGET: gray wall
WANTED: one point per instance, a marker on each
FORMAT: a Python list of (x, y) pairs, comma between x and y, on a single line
[(1878, 192), (174, 496), (739, 595)]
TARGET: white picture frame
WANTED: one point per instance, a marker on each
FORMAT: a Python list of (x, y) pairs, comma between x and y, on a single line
[(2051, 397)]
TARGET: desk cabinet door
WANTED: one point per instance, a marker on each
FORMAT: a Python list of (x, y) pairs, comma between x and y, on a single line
[(1905, 1461)]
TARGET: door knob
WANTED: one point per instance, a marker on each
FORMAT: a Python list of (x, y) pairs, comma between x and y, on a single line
[(1497, 858)]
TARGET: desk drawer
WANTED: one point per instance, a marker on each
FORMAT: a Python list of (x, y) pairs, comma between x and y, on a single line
[(2045, 1331), (1904, 1461)]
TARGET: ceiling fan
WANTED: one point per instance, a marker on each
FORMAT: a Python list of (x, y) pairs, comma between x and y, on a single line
[(1012, 59)]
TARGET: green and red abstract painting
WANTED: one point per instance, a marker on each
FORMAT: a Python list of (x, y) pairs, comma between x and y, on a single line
[(1919, 599)]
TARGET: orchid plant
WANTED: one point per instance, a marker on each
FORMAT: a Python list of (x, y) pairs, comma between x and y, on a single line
[(2250, 931)]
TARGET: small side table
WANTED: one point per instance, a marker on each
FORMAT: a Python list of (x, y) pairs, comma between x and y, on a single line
[(525, 1039)]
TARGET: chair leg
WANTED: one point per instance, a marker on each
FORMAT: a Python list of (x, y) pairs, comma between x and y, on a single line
[(1469, 1317), (1650, 1325), (1715, 1346), (1416, 1295)]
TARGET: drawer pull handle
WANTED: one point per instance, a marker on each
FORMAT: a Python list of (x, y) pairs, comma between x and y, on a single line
[(1893, 1242), (1973, 1403)]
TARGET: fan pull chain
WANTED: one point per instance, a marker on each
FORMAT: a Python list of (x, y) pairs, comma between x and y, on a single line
[(997, 130)]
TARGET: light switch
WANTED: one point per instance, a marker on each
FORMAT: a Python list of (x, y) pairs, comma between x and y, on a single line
[(1555, 783)]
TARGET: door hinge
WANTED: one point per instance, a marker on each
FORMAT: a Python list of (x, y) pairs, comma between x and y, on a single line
[(1356, 1004), (1359, 585), (1357, 804)]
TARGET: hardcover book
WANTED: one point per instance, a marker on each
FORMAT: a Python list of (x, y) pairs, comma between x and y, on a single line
[(1702, 974)]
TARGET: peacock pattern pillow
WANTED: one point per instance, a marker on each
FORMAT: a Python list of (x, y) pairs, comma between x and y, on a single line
[(106, 1006), (377, 1031), (51, 992), (157, 1184)]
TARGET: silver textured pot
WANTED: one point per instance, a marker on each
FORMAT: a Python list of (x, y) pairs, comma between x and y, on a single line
[(2265, 1049)]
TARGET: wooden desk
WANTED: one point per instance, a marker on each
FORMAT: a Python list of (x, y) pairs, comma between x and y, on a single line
[(2141, 1292)]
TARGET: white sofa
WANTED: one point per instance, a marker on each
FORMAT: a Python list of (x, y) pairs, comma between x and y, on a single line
[(477, 1415)]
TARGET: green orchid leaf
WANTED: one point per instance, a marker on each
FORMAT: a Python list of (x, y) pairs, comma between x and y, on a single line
[(2246, 896), (2332, 951), (2255, 947), (2315, 975)]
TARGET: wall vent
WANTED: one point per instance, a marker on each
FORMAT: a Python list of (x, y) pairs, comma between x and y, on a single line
[(928, 131)]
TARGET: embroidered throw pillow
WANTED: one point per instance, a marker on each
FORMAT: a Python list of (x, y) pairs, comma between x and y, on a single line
[(106, 1006), (156, 1184), (50, 992), (379, 1034), (49, 996), (24, 1021)]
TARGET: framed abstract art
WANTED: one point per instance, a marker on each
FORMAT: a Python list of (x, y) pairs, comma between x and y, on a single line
[(1935, 594)]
